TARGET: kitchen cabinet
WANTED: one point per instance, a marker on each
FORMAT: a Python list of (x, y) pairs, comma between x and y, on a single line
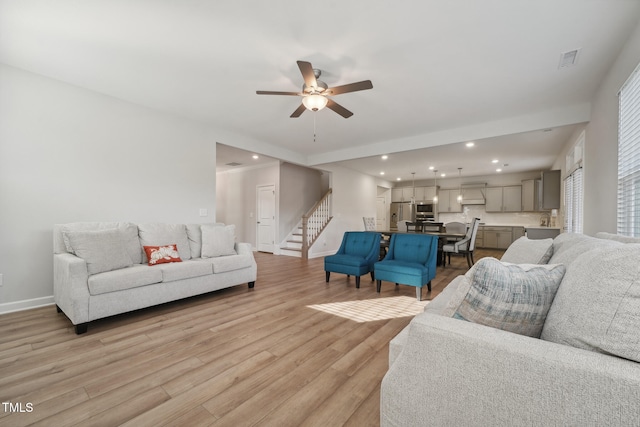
[(498, 236), (551, 189), (448, 201), (504, 199), (531, 195), (404, 194)]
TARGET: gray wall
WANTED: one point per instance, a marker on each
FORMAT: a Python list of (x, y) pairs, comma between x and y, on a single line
[(68, 154), (601, 143)]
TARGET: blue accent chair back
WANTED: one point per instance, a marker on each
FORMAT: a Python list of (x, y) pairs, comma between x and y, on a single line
[(357, 254), (411, 260)]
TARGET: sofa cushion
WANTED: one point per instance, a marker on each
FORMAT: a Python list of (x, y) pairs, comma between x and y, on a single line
[(165, 234), (124, 278), (529, 251), (597, 307), (223, 264), (567, 247), (162, 254), (103, 250), (511, 297), (129, 236), (194, 234), (218, 241), (617, 237), (185, 270)]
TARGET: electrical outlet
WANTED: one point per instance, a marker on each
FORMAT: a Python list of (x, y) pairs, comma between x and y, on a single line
[(1, 277), (204, 212)]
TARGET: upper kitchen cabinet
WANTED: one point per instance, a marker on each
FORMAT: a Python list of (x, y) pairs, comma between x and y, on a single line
[(404, 194), (550, 190), (448, 201), (504, 199), (531, 195)]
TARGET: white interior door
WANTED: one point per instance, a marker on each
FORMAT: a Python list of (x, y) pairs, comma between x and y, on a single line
[(266, 217), (381, 213)]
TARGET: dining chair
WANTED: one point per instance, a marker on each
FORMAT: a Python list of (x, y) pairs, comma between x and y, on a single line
[(370, 225), (464, 246), (402, 225)]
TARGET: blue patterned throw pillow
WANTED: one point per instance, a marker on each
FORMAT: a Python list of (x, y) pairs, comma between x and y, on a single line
[(511, 297)]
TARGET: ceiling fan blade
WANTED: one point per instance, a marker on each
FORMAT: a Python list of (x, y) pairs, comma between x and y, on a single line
[(307, 73), (351, 87), (339, 109), (298, 111), (271, 92)]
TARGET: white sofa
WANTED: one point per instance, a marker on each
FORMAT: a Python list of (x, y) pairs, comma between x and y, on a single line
[(583, 370), (101, 268)]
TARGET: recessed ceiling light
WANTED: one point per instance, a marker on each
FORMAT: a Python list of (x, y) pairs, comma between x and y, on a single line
[(398, 179), (431, 168), (498, 170), (495, 161), (443, 175), (381, 173), (470, 144), (385, 157), (255, 156)]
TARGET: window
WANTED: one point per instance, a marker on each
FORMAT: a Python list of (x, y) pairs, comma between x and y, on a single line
[(629, 157), (573, 188), (573, 192)]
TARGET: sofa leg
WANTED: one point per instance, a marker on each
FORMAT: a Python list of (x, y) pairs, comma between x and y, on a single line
[(251, 285), (378, 285), (357, 281), (58, 309), (419, 293), (81, 328), (429, 286), (327, 276)]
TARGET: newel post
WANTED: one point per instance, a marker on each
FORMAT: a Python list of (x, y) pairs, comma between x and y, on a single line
[(305, 238)]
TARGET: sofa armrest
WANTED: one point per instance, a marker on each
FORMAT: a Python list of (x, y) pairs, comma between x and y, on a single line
[(452, 372), (70, 289), (243, 248)]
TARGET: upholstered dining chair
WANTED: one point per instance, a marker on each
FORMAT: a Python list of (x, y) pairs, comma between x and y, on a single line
[(411, 260), (370, 225), (465, 246), (356, 256), (402, 226)]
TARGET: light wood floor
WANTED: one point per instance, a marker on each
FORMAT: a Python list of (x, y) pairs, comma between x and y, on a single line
[(235, 357)]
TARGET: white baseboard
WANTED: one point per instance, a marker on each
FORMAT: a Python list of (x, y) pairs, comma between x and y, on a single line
[(26, 304)]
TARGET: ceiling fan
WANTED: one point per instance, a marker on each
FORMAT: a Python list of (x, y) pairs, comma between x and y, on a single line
[(316, 93)]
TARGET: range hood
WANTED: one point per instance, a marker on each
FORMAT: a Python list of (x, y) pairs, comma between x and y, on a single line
[(473, 194)]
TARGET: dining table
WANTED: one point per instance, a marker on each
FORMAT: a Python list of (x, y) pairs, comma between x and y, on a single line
[(443, 238)]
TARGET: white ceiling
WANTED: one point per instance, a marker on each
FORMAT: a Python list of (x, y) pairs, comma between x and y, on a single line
[(443, 71)]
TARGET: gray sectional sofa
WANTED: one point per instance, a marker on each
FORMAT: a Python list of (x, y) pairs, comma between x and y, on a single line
[(582, 370), (106, 268)]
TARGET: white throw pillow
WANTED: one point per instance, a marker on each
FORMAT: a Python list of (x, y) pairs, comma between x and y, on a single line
[(218, 241), (103, 250), (529, 251)]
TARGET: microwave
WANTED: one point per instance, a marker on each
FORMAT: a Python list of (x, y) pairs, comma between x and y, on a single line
[(426, 208)]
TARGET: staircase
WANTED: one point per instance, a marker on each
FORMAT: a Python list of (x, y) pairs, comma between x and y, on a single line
[(309, 228)]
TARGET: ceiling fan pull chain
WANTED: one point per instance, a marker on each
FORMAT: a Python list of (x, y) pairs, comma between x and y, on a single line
[(314, 127)]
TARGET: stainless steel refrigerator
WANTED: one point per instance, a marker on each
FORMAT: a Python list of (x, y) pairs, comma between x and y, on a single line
[(401, 211)]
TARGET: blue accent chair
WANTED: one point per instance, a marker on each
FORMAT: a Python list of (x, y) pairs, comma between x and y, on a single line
[(357, 254), (411, 260)]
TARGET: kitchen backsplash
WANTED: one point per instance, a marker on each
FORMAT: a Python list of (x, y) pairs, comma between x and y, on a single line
[(493, 218)]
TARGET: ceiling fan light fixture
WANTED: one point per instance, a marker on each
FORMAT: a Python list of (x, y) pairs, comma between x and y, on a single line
[(315, 102)]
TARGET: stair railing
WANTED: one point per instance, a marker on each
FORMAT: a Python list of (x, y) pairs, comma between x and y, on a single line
[(314, 221)]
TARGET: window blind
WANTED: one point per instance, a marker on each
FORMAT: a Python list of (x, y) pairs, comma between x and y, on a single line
[(573, 201), (628, 218)]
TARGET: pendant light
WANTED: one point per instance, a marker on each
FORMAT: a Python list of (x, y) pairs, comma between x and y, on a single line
[(460, 185), (435, 184)]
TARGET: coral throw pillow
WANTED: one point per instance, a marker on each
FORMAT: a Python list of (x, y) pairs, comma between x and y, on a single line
[(162, 254)]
